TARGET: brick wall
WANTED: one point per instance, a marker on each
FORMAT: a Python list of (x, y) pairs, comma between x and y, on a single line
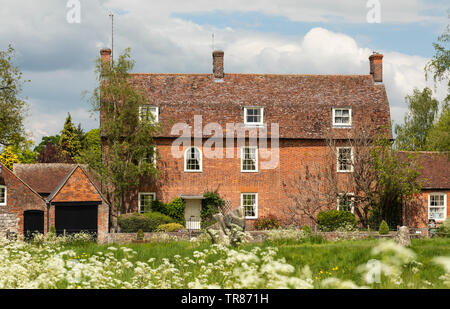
[(417, 208), (20, 198), (225, 176)]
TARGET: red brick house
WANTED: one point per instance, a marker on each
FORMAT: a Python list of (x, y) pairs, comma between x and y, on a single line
[(297, 112), (37, 196), (432, 202)]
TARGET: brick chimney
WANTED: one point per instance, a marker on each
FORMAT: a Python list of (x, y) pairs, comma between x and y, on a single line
[(105, 54), (218, 64), (376, 67)]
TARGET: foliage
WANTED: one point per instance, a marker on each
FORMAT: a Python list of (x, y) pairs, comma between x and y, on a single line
[(422, 112), (147, 222), (384, 228), (69, 140), (440, 63), (13, 109), (24, 151), (211, 204), (269, 222), (140, 235), (170, 227), (396, 182), (306, 229), (174, 209), (92, 149), (128, 142), (333, 220), (53, 154), (439, 135), (8, 157), (444, 228)]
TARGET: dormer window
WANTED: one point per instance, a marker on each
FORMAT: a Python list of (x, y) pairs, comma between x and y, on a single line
[(253, 116), (2, 196), (342, 117), (148, 113)]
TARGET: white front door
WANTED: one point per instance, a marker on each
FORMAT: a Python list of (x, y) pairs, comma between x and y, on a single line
[(192, 214)]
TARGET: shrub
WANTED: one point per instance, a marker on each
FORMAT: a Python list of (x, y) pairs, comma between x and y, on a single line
[(306, 229), (174, 209), (444, 228), (140, 235), (170, 227), (332, 220), (267, 223), (147, 222), (384, 228), (210, 206)]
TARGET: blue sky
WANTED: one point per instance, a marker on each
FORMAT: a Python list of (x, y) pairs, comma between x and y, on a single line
[(411, 38), (260, 36)]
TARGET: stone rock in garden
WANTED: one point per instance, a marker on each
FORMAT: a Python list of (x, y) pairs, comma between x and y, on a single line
[(229, 229), (403, 237)]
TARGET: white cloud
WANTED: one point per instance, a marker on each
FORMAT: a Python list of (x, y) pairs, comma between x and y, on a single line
[(59, 57)]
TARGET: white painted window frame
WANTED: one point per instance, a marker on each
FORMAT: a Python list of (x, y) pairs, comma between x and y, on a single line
[(352, 199), (337, 160), (253, 124), (243, 157), (156, 114), (256, 204), (139, 199), (6, 195), (343, 125), (200, 160), (445, 205)]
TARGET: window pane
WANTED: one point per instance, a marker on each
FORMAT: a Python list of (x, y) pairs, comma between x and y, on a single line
[(342, 116), (345, 159), (249, 159), (249, 205), (193, 160), (254, 115), (145, 202)]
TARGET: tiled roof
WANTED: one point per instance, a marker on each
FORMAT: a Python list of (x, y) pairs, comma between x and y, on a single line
[(43, 177), (434, 167), (300, 104)]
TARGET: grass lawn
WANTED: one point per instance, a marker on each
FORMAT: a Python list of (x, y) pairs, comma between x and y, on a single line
[(328, 259)]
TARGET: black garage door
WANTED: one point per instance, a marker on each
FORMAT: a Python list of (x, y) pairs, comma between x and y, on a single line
[(33, 222), (76, 219)]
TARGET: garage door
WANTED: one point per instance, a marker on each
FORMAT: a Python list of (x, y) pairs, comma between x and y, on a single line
[(76, 219), (33, 222)]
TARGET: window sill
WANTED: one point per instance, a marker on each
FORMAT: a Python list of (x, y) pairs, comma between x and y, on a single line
[(242, 171), (345, 172), (193, 171), (335, 126), (254, 125)]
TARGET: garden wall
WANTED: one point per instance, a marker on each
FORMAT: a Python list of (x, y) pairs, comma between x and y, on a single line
[(258, 236)]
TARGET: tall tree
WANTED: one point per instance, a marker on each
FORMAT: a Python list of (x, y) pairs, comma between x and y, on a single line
[(127, 140), (12, 108), (70, 138), (439, 65), (422, 111), (439, 134)]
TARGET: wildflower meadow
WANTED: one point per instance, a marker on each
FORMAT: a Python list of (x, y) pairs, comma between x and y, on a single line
[(78, 263)]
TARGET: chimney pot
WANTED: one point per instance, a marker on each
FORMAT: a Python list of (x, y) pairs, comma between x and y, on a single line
[(376, 67), (218, 56)]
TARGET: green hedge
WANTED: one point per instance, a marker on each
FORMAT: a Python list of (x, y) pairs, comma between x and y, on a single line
[(174, 209), (147, 222), (170, 227), (333, 220)]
